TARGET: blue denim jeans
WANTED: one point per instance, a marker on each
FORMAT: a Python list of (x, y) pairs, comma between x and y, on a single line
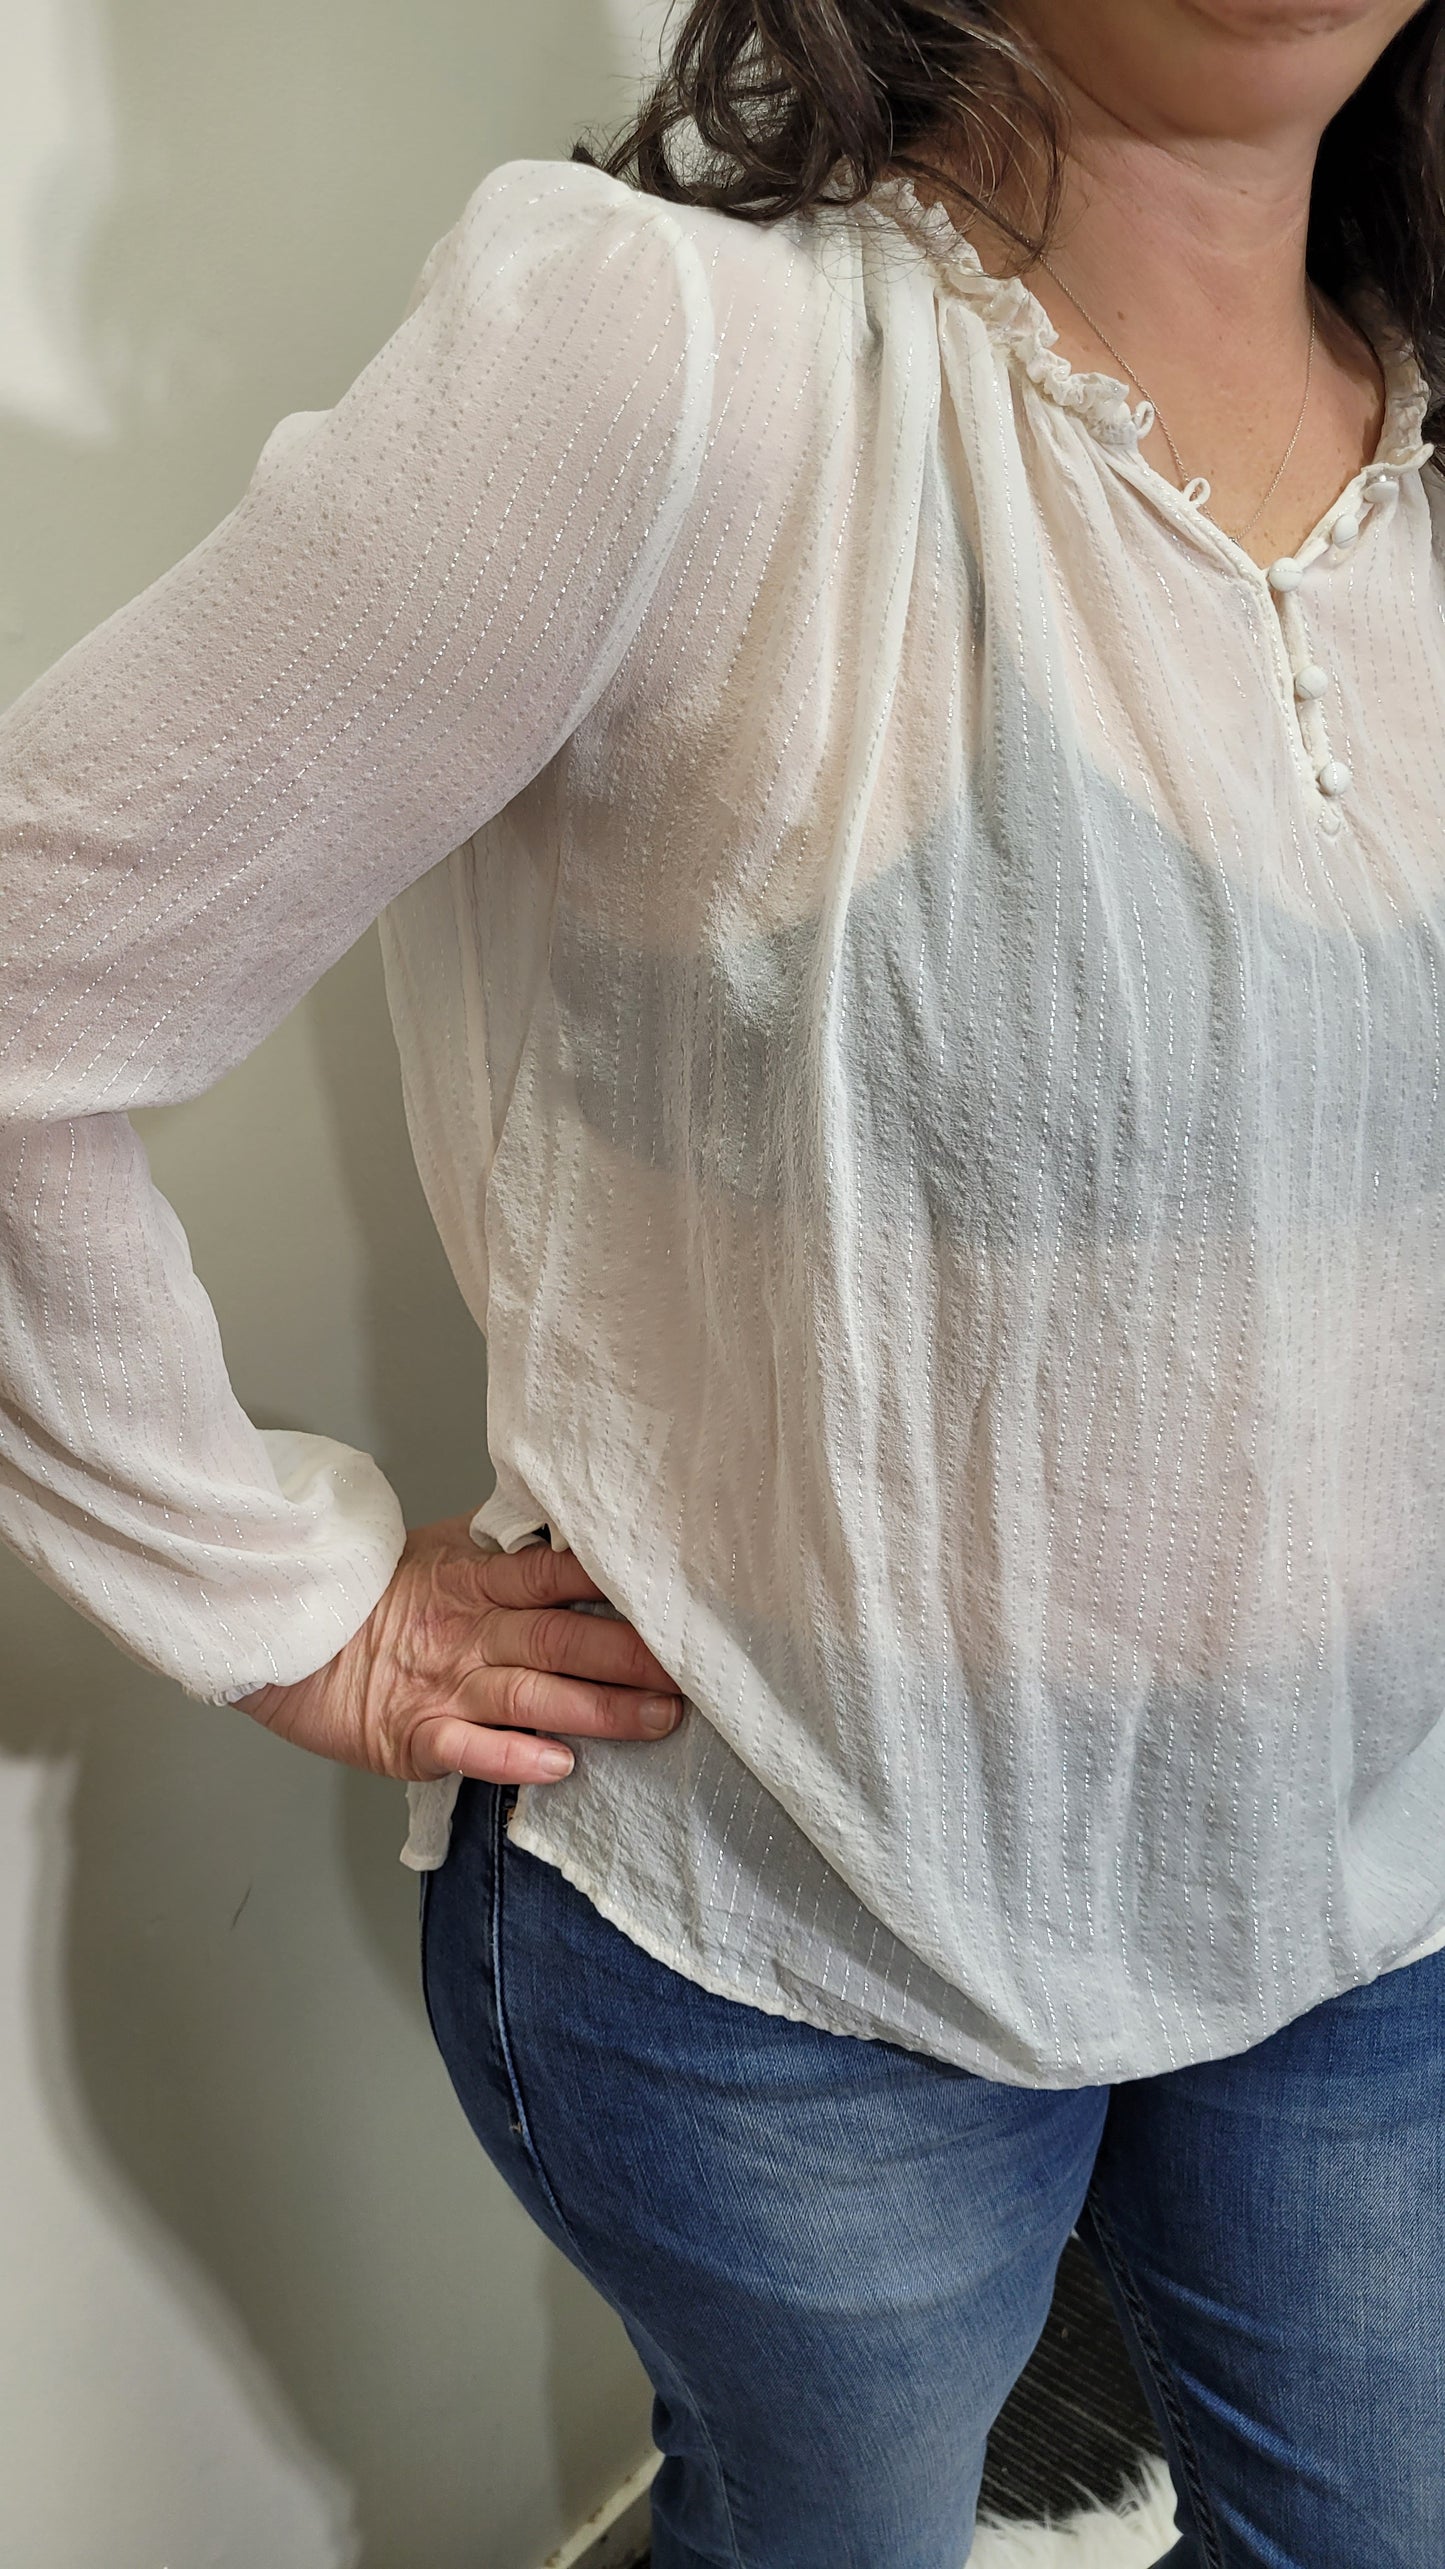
[(834, 2257)]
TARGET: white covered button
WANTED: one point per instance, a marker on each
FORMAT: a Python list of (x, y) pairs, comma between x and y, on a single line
[(1311, 680), (1345, 530), (1335, 778), (1381, 486), (1284, 575)]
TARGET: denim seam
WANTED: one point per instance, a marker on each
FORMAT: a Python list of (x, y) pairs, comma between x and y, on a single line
[(505, 1798), (423, 1905), (1164, 2383)]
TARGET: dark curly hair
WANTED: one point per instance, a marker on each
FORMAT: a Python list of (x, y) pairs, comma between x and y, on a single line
[(801, 102)]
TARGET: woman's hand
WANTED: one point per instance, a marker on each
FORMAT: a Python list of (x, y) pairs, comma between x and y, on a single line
[(465, 1656)]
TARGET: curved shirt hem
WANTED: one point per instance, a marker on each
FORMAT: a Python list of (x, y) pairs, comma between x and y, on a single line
[(969, 2056)]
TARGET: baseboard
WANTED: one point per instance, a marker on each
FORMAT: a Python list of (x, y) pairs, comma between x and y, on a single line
[(615, 2536)]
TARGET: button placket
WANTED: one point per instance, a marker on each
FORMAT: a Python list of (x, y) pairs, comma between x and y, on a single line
[(1308, 680), (1308, 685), (1376, 488)]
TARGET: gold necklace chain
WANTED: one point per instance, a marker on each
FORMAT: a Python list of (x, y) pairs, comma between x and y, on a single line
[(1185, 480)]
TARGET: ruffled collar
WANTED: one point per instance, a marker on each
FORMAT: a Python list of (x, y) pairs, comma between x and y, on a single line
[(1018, 324)]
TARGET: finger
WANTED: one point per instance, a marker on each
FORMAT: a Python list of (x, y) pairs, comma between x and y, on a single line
[(534, 1576), (535, 1699), (446, 1745), (553, 1637)]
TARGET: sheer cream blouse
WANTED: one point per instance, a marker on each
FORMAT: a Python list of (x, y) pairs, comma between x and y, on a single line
[(918, 975)]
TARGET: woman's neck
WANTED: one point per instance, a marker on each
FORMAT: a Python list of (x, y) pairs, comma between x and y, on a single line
[(1177, 237), (1188, 255)]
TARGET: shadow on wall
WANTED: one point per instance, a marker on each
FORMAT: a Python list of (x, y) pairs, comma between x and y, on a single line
[(226, 2033)]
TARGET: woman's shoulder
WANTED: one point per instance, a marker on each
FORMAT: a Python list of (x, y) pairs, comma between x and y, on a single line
[(763, 276)]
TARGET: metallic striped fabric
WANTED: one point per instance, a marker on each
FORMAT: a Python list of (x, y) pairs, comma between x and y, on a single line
[(918, 973)]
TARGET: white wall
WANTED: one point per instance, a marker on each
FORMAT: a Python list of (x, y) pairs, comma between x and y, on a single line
[(265, 2304)]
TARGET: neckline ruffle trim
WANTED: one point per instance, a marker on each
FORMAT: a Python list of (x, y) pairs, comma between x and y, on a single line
[(1018, 324)]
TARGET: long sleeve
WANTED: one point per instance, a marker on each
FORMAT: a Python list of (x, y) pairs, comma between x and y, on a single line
[(420, 594)]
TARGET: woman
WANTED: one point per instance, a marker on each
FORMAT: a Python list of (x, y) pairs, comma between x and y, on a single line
[(898, 727)]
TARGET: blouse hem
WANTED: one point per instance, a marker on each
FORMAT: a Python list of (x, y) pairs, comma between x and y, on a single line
[(686, 1965)]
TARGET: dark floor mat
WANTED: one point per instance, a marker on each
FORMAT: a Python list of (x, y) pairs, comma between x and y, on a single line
[(1076, 2423)]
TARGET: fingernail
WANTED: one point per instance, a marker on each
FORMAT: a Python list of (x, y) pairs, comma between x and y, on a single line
[(555, 1761), (659, 1713)]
